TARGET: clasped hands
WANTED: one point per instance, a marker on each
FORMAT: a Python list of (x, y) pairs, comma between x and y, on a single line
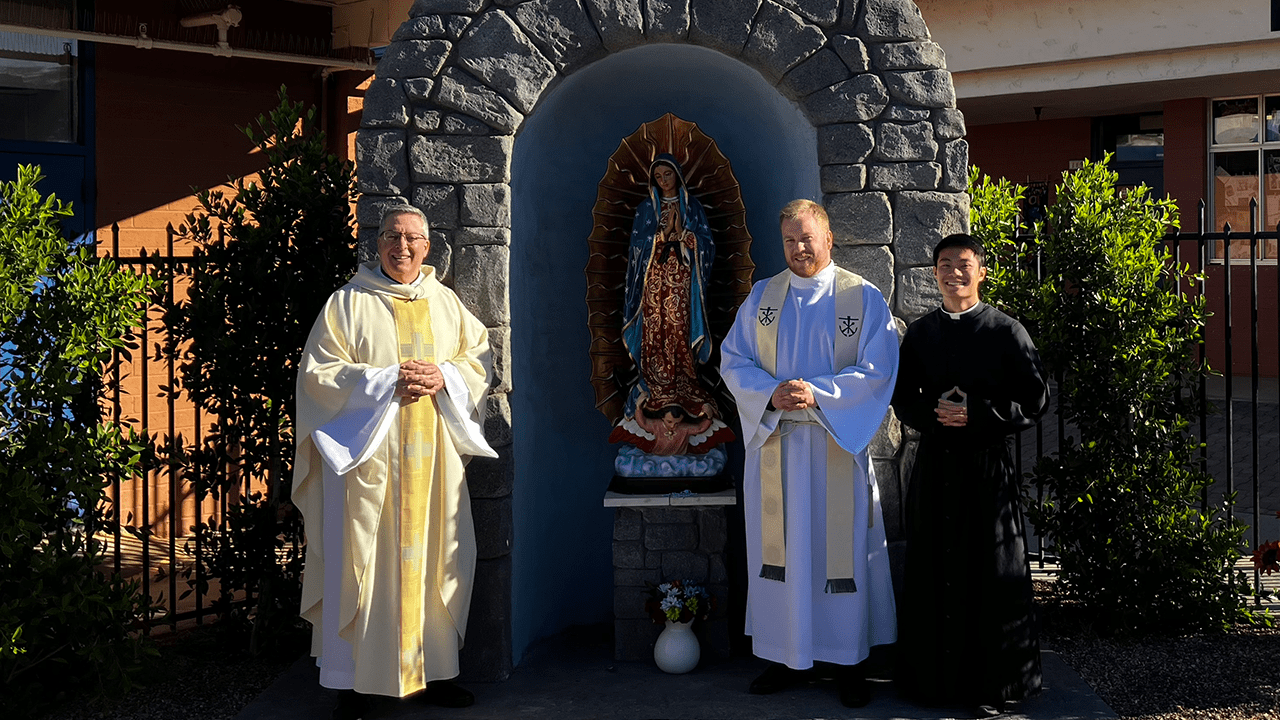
[(418, 378), (793, 395), (953, 413)]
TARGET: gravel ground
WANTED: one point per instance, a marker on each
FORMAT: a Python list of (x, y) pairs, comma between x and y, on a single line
[(1229, 676), (192, 679), (1197, 677)]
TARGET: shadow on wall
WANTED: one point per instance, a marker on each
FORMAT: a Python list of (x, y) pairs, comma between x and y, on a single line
[(562, 565)]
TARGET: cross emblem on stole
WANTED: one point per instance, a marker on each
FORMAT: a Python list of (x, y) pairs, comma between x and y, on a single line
[(767, 315), (417, 348), (849, 326)]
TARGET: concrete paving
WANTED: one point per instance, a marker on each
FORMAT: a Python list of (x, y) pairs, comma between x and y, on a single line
[(570, 677)]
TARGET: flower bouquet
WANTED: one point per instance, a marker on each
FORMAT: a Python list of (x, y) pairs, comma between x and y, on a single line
[(678, 601)]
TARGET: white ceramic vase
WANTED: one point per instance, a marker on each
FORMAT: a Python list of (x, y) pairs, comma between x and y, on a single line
[(677, 650)]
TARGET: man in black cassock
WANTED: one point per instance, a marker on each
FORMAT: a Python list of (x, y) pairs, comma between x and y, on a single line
[(969, 379)]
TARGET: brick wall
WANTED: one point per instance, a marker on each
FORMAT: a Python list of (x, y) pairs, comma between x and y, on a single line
[(1040, 150)]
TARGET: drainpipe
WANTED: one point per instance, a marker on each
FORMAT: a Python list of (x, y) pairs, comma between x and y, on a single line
[(144, 42)]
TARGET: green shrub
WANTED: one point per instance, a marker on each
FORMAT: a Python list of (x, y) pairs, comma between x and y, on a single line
[(268, 256), (63, 310), (1117, 323)]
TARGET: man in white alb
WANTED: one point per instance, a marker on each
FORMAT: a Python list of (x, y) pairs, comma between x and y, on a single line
[(811, 360), (390, 388)]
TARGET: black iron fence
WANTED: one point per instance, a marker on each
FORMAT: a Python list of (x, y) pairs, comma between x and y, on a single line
[(1239, 433)]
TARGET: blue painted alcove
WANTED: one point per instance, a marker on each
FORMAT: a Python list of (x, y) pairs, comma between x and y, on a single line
[(562, 559)]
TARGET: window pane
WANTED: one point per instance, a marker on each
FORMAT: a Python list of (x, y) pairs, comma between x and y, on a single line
[(1271, 188), (1273, 118), (1140, 147), (1235, 121), (1235, 183), (37, 88)]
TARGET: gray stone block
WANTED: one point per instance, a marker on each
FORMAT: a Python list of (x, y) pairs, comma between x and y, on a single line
[(439, 203), (494, 533), (482, 273), (948, 123), (426, 121), (492, 477), (619, 22), (917, 293), (459, 91), (858, 99), (927, 88), (414, 58), (427, 27), (429, 7), (683, 565), (843, 178), (713, 531), (862, 218), (369, 208), (891, 21), (873, 262), (418, 89), (955, 166), (669, 536), (822, 69), (853, 52), (482, 236), (487, 205), (497, 52), (717, 573), (891, 501), (562, 31), (500, 350), (455, 25), (905, 143), (440, 256), (720, 25), (381, 166), (653, 560), (906, 113), (820, 12), (460, 158), (905, 176), (848, 14), (845, 144), (628, 602), (457, 124), (909, 56), (888, 437), (486, 657), (367, 244), (921, 219), (385, 105), (628, 554), (666, 20), (667, 515), (497, 420), (627, 525), (779, 40), (628, 577)]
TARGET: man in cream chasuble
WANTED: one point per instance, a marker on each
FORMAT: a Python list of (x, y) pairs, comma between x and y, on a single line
[(390, 388)]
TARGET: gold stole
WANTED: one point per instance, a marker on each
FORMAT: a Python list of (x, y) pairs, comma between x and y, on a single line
[(840, 463), (417, 469)]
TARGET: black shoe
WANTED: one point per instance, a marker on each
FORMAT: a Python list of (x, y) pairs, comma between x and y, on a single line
[(351, 706), (776, 677), (855, 691), (447, 694)]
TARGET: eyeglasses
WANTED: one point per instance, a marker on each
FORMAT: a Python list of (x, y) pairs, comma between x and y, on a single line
[(392, 236)]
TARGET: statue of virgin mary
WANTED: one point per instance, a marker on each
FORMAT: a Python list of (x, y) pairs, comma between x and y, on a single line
[(668, 410)]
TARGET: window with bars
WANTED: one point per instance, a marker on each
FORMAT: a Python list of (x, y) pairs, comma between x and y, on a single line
[(38, 88), (1244, 165)]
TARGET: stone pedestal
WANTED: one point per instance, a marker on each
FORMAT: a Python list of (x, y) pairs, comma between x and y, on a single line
[(657, 538)]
